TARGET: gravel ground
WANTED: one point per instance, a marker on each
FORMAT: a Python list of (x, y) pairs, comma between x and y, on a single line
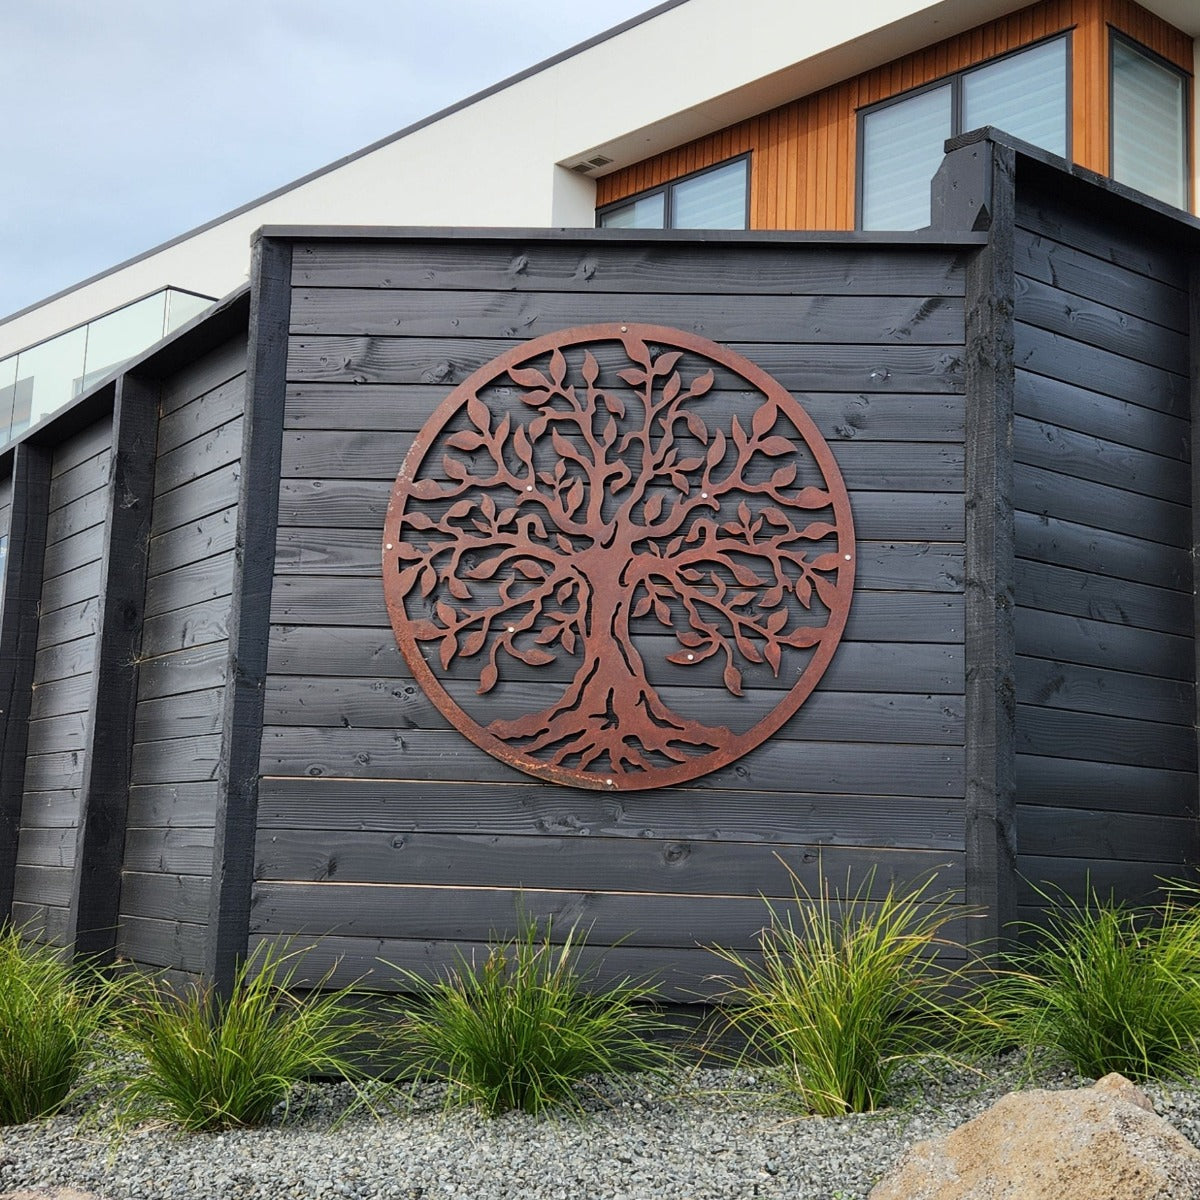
[(715, 1134)]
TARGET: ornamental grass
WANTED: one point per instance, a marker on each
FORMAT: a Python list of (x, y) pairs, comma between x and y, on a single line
[(1106, 986), (50, 1015), (524, 1028), (848, 988), (204, 1061)]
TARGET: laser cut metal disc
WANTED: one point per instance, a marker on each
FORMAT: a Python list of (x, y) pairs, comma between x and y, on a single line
[(618, 557)]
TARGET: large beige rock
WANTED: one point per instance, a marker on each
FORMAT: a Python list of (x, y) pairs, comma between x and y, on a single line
[(1098, 1143), (49, 1194)]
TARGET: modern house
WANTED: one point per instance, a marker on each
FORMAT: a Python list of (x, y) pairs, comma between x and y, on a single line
[(608, 668)]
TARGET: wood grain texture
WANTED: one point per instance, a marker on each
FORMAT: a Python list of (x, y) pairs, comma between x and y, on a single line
[(828, 368), (231, 865), (72, 499), (678, 867), (524, 808), (1105, 572), (656, 268), (182, 661), (800, 320), (94, 910)]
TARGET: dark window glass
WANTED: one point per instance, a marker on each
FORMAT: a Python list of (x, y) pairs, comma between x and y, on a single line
[(902, 141), (1149, 123), (712, 199)]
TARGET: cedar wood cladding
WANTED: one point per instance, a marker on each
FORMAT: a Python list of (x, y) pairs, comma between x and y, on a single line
[(802, 173), (62, 680), (384, 828), (173, 792)]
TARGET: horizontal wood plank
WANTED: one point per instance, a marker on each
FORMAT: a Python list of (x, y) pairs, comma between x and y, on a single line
[(204, 375), (1048, 493), (1101, 553), (164, 897), (466, 914), (1062, 782), (1088, 366), (1084, 457), (177, 760), (351, 600), (529, 808), (171, 805), (1069, 406), (215, 491), (1093, 321), (171, 674), (199, 539), (1080, 833), (839, 416), (1051, 588), (589, 863), (653, 269), (186, 850), (1110, 693), (1102, 644), (823, 369), (190, 462), (202, 415), (778, 765), (1059, 733), (365, 704), (857, 666)]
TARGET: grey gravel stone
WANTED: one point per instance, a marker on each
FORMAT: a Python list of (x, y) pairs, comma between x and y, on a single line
[(712, 1135)]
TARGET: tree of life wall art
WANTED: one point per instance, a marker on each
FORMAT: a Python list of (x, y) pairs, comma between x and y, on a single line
[(618, 556)]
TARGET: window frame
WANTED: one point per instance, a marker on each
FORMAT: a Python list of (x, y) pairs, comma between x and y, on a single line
[(954, 81), (1116, 35), (667, 188)]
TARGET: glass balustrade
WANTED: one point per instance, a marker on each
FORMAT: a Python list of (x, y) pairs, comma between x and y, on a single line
[(43, 378)]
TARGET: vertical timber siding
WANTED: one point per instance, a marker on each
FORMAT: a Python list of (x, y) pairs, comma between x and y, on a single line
[(181, 678), (802, 173), (383, 828), (62, 681), (1106, 740)]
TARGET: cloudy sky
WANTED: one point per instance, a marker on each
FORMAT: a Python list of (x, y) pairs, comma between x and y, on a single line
[(127, 122)]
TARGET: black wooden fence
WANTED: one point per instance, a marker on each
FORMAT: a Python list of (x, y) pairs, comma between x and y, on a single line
[(211, 739)]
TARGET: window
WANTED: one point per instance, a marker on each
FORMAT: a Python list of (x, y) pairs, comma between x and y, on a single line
[(717, 198), (901, 140), (1149, 123)]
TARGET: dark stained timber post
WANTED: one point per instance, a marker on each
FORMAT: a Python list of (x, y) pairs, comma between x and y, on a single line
[(990, 588), (250, 613), (22, 581), (108, 740)]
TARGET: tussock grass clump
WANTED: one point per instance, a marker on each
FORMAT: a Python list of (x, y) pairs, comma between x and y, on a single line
[(1109, 987), (522, 1029), (849, 989), (210, 1062), (49, 1017)]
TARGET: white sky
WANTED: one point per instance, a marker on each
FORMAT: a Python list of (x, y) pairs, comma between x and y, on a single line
[(126, 122)]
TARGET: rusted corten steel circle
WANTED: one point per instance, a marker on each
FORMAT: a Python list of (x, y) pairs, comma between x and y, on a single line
[(618, 556)]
